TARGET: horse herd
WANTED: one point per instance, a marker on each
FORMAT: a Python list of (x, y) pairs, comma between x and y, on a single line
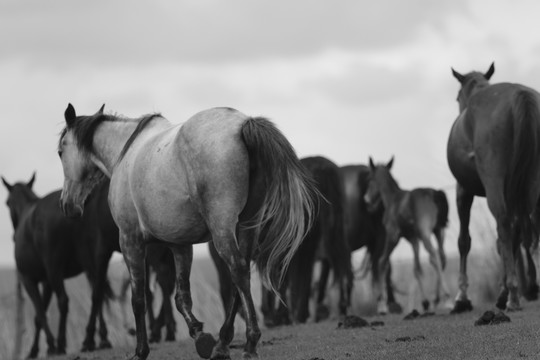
[(151, 190)]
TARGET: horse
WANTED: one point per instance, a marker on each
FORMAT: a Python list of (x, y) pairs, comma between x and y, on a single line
[(414, 215), (160, 261), (325, 242), (364, 228), (50, 248), (493, 151), (221, 176)]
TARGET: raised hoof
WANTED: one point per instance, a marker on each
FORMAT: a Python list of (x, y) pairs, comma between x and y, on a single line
[(395, 308), (105, 344), (462, 306), (204, 343)]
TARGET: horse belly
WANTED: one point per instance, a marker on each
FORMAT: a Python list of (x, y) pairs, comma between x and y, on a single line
[(176, 221)]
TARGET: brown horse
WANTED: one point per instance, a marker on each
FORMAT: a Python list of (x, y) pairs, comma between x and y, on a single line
[(325, 242), (221, 176), (414, 215), (50, 248), (494, 151), (364, 228)]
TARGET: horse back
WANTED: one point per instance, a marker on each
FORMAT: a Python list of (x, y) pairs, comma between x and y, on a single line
[(167, 178)]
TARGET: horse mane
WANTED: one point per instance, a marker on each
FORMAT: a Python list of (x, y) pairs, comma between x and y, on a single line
[(143, 122), (84, 128)]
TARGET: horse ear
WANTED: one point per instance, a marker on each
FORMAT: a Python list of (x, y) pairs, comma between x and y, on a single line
[(6, 184), (490, 71), (70, 114), (30, 183), (390, 163), (100, 111), (458, 76), (371, 164)]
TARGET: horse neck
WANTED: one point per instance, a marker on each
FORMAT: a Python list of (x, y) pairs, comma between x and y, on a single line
[(109, 140), (390, 190)]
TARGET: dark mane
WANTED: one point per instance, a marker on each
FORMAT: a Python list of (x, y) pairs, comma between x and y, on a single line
[(143, 121), (84, 128)]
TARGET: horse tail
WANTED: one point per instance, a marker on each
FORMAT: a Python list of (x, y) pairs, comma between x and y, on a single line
[(442, 208), (287, 209), (522, 176)]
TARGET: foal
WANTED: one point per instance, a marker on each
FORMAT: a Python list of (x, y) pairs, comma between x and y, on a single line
[(414, 215)]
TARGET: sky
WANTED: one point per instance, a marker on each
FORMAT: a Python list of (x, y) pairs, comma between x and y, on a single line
[(342, 79)]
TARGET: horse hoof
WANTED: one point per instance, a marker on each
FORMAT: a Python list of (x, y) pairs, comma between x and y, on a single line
[(246, 356), (105, 344), (88, 347), (33, 354), (170, 337), (425, 305), (532, 293), (395, 308), (462, 306), (204, 343), (322, 313)]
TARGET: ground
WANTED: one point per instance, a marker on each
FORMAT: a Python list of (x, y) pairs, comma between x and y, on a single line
[(441, 336)]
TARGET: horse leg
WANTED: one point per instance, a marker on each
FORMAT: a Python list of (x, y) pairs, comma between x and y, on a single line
[(439, 235), (418, 272), (41, 303), (155, 328), (508, 249), (167, 287), (63, 307), (134, 255), (183, 258), (238, 261), (531, 292), (322, 311), (392, 238), (224, 276), (436, 261), (98, 292), (464, 201)]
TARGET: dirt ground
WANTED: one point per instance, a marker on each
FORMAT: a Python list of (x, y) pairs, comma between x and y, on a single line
[(441, 336)]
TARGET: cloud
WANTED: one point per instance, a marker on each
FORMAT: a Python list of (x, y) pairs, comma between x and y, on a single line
[(65, 33)]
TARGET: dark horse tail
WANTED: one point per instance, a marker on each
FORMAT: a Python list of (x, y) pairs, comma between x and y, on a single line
[(522, 176), (287, 208), (442, 208)]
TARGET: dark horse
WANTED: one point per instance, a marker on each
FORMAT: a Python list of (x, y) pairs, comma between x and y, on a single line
[(415, 215), (363, 227), (159, 261), (494, 151), (325, 241), (50, 248), (221, 176)]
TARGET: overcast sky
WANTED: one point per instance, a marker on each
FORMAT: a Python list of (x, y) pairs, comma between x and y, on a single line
[(343, 79)]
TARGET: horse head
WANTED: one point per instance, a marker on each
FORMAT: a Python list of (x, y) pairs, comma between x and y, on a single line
[(19, 197), (81, 174), (377, 177), (471, 83)]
